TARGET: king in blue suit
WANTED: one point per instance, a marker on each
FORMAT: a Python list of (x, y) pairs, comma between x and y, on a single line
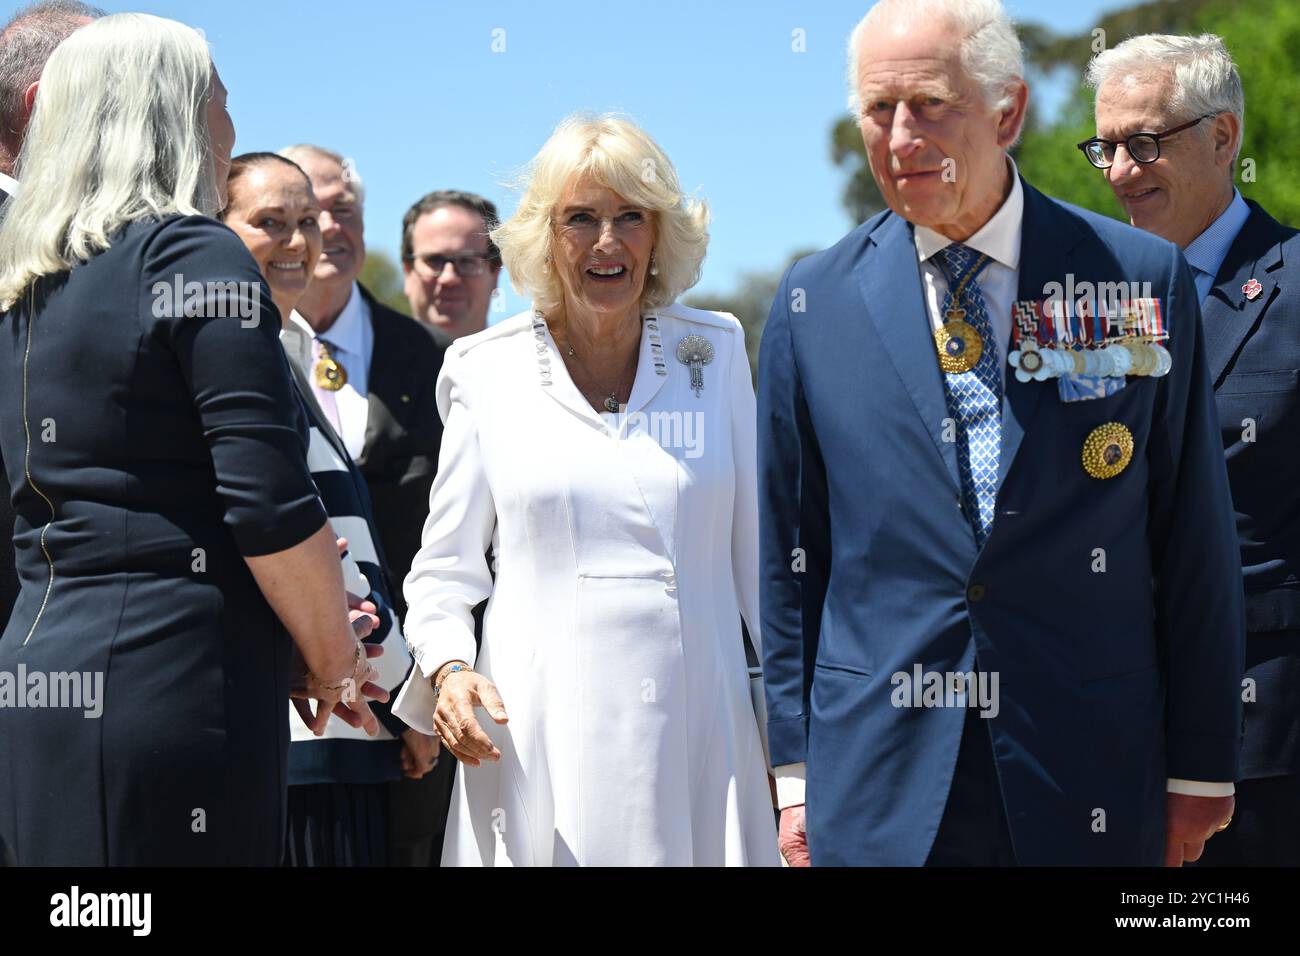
[(1246, 266), (1002, 607)]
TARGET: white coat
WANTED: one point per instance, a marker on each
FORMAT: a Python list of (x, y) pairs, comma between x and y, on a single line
[(626, 552)]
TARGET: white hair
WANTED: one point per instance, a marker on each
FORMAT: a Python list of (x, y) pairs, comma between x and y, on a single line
[(990, 49), (120, 135), (1205, 80), (301, 153), (619, 155)]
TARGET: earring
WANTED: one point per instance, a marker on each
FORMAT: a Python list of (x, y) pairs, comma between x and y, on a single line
[(654, 269), (546, 266)]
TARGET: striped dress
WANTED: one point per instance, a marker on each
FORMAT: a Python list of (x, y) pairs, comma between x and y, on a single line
[(337, 809)]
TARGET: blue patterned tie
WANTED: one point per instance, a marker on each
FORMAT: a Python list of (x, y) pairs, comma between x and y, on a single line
[(974, 397)]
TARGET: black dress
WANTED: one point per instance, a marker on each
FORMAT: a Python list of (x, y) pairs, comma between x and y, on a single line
[(148, 453)]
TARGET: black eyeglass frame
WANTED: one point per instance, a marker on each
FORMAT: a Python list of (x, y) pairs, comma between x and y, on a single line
[(485, 260), (1127, 142)]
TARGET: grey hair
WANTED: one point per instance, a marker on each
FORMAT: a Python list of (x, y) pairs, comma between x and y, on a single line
[(300, 153), (120, 134), (26, 43), (1206, 80), (990, 49)]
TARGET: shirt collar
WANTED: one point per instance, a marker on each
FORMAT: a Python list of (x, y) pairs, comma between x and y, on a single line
[(1208, 250), (296, 337), (346, 332), (999, 238), (8, 184)]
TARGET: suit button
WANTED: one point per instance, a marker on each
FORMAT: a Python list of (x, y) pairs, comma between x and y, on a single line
[(975, 593)]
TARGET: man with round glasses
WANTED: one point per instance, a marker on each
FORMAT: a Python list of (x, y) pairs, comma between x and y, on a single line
[(450, 263), (1169, 113)]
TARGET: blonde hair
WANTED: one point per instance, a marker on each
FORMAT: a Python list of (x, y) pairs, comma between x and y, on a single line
[(119, 134), (619, 155)]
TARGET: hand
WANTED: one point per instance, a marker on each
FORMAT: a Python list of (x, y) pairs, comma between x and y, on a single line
[(1189, 822), (348, 702), (454, 716), (419, 754), (363, 616), (365, 622), (792, 839)]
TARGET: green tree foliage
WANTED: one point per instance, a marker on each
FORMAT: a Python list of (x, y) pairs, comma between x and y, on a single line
[(750, 303), (861, 197), (383, 278), (1262, 35)]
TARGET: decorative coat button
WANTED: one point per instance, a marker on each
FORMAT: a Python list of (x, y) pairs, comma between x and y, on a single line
[(1107, 450)]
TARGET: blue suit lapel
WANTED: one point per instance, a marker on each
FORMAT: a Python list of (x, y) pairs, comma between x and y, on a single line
[(1048, 233), (890, 283), (1228, 316)]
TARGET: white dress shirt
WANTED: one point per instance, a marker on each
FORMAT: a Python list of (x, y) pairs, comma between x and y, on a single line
[(999, 239), (8, 184), (999, 282), (352, 342)]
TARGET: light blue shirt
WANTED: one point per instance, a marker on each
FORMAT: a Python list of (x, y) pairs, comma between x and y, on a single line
[(1205, 253), (352, 341)]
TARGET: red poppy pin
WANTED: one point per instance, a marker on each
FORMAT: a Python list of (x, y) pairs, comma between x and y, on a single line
[(1252, 289)]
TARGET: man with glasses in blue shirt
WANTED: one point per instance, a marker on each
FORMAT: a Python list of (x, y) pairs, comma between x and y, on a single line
[(1169, 113), (450, 263)]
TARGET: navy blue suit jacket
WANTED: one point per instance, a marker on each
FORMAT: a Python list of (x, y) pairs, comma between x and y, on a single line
[(1253, 348), (1109, 682)]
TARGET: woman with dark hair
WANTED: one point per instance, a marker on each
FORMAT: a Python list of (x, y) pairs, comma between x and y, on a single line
[(338, 812)]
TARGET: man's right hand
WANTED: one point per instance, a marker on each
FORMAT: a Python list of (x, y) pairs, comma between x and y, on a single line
[(793, 837)]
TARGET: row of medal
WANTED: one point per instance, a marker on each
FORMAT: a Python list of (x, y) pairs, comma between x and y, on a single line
[(1087, 339), (1116, 359)]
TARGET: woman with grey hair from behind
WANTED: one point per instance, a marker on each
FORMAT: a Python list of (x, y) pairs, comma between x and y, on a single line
[(602, 446), (168, 532)]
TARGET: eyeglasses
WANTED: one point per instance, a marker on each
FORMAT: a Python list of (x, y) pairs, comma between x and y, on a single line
[(588, 227), (1144, 147), (468, 265)]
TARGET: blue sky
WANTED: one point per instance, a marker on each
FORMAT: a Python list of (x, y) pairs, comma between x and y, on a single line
[(416, 95)]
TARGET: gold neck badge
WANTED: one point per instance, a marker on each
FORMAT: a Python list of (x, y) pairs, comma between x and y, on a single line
[(328, 373)]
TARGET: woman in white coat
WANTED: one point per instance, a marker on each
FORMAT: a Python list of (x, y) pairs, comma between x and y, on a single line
[(597, 483)]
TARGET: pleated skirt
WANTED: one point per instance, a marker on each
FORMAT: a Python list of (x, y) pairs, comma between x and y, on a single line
[(337, 824)]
